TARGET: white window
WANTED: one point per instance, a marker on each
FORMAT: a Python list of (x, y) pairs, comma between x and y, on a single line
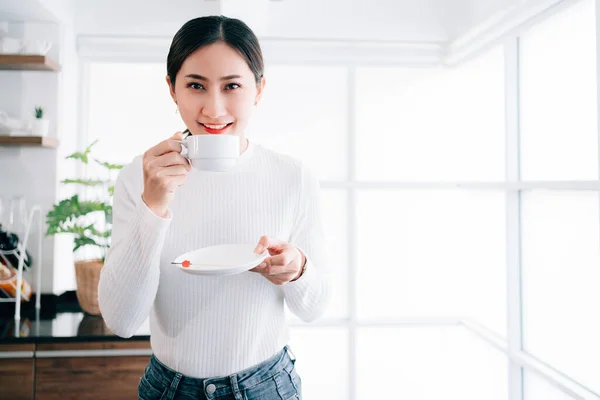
[(405, 244), (432, 253), (129, 109), (304, 114), (561, 259), (559, 126), (428, 363), (560, 238), (432, 124), (322, 361), (536, 388), (420, 253)]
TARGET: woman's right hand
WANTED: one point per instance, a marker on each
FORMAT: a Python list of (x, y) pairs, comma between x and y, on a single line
[(165, 169)]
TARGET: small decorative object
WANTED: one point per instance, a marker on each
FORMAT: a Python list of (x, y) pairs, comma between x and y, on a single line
[(10, 45), (10, 126), (40, 125), (90, 222), (35, 47)]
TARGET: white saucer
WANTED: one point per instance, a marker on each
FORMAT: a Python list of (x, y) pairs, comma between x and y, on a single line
[(226, 259)]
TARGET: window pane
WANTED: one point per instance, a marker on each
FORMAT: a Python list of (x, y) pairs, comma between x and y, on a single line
[(432, 253), (304, 113), (322, 362), (428, 363), (432, 123), (537, 388), (561, 273), (334, 211), (130, 109), (559, 136)]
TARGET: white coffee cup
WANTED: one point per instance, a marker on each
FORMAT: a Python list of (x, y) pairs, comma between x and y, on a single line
[(211, 152)]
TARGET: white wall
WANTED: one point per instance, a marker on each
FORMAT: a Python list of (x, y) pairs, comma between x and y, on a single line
[(34, 172), (30, 171)]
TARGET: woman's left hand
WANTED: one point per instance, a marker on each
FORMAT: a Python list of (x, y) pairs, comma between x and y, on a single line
[(285, 263)]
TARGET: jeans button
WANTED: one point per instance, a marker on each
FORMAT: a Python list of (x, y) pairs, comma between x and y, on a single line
[(210, 389)]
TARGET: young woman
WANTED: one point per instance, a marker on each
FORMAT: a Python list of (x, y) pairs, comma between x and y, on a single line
[(215, 337)]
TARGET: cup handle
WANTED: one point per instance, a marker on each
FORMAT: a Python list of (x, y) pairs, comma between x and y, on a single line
[(184, 150)]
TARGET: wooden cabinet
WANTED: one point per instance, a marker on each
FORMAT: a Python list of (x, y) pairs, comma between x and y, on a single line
[(94, 370), (16, 371), (101, 370)]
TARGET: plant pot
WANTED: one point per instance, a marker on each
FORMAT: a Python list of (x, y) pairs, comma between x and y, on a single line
[(87, 274), (40, 126)]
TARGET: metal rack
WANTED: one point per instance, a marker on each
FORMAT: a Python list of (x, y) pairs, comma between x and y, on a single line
[(20, 253)]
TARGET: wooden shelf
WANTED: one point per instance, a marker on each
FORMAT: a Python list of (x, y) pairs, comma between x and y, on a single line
[(39, 141), (21, 62)]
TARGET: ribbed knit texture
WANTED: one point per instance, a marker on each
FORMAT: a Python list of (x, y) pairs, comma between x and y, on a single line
[(207, 326)]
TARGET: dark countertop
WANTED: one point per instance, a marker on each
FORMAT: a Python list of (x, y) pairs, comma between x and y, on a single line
[(59, 320)]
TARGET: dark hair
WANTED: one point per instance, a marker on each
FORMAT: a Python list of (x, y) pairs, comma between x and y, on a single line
[(203, 31)]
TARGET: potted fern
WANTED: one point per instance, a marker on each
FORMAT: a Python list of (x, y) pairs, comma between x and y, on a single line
[(40, 125), (89, 221)]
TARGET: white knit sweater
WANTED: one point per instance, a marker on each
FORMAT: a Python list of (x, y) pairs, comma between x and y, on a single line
[(206, 326)]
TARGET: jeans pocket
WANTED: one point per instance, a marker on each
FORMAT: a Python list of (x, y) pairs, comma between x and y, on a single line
[(265, 390), (146, 391), (288, 385)]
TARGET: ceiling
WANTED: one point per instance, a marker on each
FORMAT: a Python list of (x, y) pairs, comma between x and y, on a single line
[(378, 20)]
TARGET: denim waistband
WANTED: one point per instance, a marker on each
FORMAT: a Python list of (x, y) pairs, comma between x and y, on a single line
[(282, 361)]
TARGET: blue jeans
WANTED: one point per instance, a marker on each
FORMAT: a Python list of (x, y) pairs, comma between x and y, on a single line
[(273, 379)]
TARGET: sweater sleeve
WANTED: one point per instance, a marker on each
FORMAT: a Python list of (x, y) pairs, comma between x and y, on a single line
[(309, 296), (129, 278)]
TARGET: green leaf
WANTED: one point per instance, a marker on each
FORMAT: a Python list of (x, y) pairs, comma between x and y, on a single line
[(93, 231), (84, 231), (84, 241), (109, 166), (87, 207), (71, 215), (83, 156), (65, 214), (84, 182)]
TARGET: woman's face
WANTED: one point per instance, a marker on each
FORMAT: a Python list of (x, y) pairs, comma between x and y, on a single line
[(216, 91)]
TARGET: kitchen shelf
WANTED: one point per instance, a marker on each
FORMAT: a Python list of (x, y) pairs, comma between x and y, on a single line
[(27, 62), (20, 253), (40, 141)]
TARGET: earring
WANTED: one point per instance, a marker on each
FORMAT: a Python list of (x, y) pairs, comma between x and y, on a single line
[(176, 110)]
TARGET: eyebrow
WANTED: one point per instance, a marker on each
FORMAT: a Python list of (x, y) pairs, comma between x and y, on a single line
[(202, 78)]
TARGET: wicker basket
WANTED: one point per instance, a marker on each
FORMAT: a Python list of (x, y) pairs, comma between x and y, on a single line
[(88, 275)]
